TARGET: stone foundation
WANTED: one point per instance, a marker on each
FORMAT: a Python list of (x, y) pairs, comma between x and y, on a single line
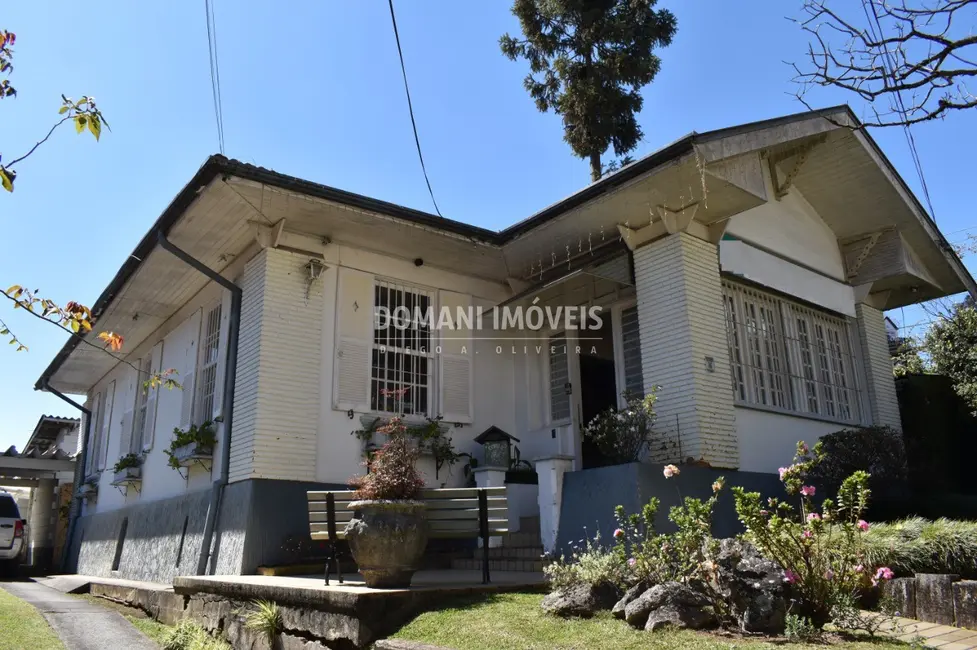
[(935, 598)]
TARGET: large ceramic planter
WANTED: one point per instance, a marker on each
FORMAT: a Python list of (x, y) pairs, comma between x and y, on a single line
[(387, 539)]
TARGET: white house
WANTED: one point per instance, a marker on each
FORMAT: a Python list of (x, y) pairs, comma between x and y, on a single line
[(744, 270)]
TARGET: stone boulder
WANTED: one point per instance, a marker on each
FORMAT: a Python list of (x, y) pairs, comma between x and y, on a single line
[(671, 603), (629, 596), (581, 600), (752, 586)]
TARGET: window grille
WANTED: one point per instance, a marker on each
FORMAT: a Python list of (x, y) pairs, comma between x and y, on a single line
[(402, 358), (209, 359), (142, 401), (789, 357), (559, 378)]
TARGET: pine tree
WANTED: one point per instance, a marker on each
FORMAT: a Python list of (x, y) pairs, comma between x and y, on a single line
[(588, 59)]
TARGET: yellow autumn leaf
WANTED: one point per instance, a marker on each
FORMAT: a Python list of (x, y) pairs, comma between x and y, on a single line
[(5, 180), (80, 122), (95, 126)]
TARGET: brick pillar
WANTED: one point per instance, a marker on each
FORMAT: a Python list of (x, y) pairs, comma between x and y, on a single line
[(880, 384), (684, 349)]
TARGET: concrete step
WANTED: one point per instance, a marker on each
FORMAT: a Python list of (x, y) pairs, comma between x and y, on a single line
[(522, 539), (498, 565), (529, 524), (515, 553)]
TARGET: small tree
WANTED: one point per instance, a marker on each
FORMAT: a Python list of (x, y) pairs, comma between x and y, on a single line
[(951, 343), (588, 59)]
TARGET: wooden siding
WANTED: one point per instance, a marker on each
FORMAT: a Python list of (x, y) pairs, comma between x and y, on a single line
[(878, 366), (681, 324)]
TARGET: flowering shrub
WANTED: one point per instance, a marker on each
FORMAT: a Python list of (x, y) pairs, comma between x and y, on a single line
[(678, 556), (624, 436), (592, 564), (393, 474), (822, 553)]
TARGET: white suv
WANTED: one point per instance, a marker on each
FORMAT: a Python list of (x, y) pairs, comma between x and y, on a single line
[(13, 539)]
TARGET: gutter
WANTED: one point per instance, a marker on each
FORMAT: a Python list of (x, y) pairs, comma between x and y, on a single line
[(230, 377), (74, 509)]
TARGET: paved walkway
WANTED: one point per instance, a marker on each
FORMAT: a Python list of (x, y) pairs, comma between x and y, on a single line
[(82, 625), (933, 635)]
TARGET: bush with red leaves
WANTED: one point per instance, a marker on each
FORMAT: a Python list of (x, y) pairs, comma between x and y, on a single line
[(393, 474)]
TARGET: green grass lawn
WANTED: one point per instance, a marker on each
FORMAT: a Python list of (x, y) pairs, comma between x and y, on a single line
[(22, 626), (515, 621)]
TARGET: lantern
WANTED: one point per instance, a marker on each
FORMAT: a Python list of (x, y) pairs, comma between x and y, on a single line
[(498, 447)]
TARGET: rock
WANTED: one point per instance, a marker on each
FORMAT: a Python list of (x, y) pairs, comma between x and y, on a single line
[(673, 595), (934, 597), (580, 600), (683, 618), (752, 586), (901, 594), (629, 596), (965, 603)]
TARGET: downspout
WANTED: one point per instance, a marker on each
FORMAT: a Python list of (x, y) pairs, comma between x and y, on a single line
[(230, 376), (74, 509)]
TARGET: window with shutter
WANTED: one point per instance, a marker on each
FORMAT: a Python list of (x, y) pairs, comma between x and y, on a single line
[(103, 445), (631, 343), (401, 364), (127, 400), (455, 362), (152, 398), (559, 379), (94, 435), (188, 375), (142, 404), (209, 360)]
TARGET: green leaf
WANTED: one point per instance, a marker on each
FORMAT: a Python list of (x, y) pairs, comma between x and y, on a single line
[(94, 126), (63, 110), (6, 181)]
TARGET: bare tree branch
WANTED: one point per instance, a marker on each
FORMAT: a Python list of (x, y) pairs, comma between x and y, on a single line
[(910, 60)]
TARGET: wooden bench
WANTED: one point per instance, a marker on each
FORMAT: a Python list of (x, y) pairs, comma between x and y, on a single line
[(451, 513)]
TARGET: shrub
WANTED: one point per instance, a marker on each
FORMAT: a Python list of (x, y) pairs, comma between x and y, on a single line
[(189, 635), (392, 472), (920, 546), (822, 553), (591, 564), (624, 436), (879, 451), (127, 461), (203, 435), (265, 618)]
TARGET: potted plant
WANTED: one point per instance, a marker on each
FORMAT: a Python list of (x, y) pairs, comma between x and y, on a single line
[(89, 489), (388, 532), (128, 468), (196, 443)]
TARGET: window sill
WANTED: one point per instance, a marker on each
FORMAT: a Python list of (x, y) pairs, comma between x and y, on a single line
[(800, 416)]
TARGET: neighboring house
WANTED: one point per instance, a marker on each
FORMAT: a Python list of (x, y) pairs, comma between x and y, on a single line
[(743, 270), (54, 434)]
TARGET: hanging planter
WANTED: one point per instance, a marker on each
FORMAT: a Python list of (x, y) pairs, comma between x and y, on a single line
[(127, 470), (195, 445)]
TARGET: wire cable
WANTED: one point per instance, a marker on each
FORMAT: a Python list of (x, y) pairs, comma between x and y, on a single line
[(410, 108), (215, 79)]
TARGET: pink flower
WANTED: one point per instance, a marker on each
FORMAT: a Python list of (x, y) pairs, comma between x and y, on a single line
[(829, 574), (803, 449), (764, 512), (783, 472), (807, 534), (859, 568), (618, 534), (884, 573), (790, 576), (814, 517), (632, 562), (807, 490), (863, 525), (670, 471)]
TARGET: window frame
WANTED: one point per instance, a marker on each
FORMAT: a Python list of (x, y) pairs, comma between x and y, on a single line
[(141, 407), (198, 416), (800, 348), (378, 405)]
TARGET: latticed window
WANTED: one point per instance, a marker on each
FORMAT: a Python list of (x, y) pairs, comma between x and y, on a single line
[(402, 362), (790, 357), (209, 360), (559, 379), (142, 403)]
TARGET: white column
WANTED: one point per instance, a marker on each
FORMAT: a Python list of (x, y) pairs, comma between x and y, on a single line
[(491, 477), (684, 348), (550, 470), (883, 405), (41, 524)]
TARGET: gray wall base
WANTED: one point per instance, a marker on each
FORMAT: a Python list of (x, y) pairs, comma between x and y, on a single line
[(260, 523), (591, 495)]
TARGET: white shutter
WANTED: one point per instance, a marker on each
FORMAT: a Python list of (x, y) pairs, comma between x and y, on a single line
[(188, 373), (91, 458), (354, 341), (129, 398), (559, 379), (149, 428), (221, 357), (103, 442), (455, 376)]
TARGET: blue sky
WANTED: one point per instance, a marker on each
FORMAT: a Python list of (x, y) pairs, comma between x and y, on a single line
[(315, 91)]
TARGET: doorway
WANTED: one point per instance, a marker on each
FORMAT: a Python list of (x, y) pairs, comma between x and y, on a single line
[(598, 387)]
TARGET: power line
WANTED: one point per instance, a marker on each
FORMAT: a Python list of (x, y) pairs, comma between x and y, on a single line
[(410, 107), (215, 75), (889, 64)]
